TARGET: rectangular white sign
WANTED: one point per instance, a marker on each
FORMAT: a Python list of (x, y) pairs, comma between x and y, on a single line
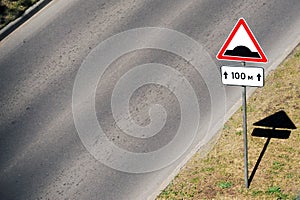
[(243, 76)]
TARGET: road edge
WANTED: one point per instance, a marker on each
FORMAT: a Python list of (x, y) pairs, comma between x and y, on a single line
[(23, 18)]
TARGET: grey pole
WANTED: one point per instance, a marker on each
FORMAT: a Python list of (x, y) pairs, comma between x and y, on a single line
[(245, 134)]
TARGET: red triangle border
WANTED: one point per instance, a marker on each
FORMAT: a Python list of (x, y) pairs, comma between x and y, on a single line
[(242, 22)]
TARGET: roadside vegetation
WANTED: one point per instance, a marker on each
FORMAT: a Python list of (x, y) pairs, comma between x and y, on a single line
[(220, 175), (12, 9)]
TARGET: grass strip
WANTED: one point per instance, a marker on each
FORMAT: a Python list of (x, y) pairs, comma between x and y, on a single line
[(12, 9), (220, 175)]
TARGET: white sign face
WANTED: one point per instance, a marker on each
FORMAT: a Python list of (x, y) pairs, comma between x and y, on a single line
[(243, 76)]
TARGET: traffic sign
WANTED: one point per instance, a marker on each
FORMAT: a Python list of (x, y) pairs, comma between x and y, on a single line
[(241, 45), (243, 76)]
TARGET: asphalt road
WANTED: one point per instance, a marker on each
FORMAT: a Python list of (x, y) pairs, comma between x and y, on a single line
[(42, 156)]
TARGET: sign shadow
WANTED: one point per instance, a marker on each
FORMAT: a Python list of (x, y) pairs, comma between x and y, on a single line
[(271, 123)]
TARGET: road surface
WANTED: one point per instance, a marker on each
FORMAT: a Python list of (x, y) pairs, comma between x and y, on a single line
[(42, 155)]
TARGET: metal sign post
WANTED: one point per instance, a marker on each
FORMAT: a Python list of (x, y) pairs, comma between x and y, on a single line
[(245, 133), (243, 76)]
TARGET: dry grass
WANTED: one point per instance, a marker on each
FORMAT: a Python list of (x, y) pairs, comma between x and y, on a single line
[(12, 9), (220, 175)]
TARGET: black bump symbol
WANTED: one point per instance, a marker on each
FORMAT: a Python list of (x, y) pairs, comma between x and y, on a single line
[(242, 51)]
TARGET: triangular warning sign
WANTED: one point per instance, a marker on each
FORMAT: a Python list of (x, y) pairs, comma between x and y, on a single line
[(241, 45)]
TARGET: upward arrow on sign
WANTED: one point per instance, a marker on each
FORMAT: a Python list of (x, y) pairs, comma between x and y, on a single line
[(258, 77), (241, 45), (225, 74)]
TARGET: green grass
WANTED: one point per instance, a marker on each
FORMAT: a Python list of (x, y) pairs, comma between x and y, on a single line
[(220, 175), (276, 191), (12, 9), (277, 165), (273, 189), (224, 184)]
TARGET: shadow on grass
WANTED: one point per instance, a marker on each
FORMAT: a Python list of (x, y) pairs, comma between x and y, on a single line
[(277, 120)]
